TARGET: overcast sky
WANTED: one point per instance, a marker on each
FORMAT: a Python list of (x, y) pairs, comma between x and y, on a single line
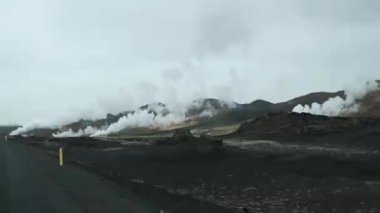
[(76, 58)]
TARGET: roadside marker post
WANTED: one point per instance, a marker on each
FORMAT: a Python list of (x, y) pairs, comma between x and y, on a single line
[(61, 156), (6, 138)]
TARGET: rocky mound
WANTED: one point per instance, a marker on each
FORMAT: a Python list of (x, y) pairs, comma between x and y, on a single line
[(185, 137)]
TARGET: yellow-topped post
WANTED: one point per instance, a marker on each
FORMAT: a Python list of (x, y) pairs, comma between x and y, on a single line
[(61, 156)]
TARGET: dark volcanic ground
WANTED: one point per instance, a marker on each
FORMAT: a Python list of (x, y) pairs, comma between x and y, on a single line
[(254, 176), (32, 181)]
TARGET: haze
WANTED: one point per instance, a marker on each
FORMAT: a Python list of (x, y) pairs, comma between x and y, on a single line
[(82, 59)]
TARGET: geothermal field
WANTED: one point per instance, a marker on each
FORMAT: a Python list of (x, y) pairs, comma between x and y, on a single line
[(315, 153), (190, 106)]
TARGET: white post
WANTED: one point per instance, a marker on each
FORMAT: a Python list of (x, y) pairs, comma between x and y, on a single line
[(61, 156), (6, 138)]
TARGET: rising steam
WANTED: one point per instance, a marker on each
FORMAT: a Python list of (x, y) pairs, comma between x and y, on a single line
[(35, 124), (153, 116), (142, 118), (81, 133), (338, 106)]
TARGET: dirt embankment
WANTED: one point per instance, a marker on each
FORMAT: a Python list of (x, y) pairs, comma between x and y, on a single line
[(289, 127)]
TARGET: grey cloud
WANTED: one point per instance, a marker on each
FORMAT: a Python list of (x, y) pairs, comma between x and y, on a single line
[(223, 30), (172, 74), (93, 57)]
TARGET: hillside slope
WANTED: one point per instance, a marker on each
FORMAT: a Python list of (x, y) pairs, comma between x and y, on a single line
[(202, 113)]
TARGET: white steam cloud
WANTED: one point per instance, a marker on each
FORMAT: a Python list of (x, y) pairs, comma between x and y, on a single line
[(207, 113), (82, 132), (338, 106), (55, 122), (155, 116), (34, 124), (142, 118)]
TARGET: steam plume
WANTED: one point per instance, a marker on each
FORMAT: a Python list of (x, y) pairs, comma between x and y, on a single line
[(70, 133), (338, 106), (35, 124), (142, 118)]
